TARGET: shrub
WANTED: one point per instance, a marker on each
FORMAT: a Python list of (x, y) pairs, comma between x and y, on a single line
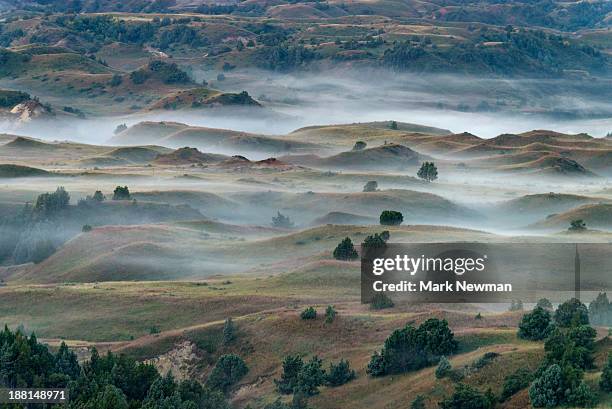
[(227, 372), (139, 76), (309, 313), (535, 325), (467, 397), (605, 382), (444, 368), (340, 373), (86, 228), (484, 360), (391, 218), (380, 301), (330, 314), (98, 196), (345, 251), (572, 312), (428, 171), (516, 381), (121, 193), (292, 365)]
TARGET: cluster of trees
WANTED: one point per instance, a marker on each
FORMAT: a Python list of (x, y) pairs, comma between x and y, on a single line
[(569, 346), (110, 381), (304, 378), (168, 73), (411, 348), (283, 57), (8, 99), (282, 221), (428, 171), (518, 52), (310, 313), (345, 251), (391, 218)]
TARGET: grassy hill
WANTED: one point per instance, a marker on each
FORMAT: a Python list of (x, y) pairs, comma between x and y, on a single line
[(16, 171), (596, 216)]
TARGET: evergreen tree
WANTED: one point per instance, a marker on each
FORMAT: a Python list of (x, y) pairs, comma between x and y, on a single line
[(535, 325), (605, 382), (391, 218), (444, 368), (428, 171), (121, 193), (282, 221), (370, 186), (345, 251), (310, 313), (310, 377), (292, 365), (228, 370), (571, 313), (330, 314), (229, 331), (339, 373)]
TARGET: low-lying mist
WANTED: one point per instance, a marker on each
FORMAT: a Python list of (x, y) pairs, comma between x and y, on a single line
[(483, 106)]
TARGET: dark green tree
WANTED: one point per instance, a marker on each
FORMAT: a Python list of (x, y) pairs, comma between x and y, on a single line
[(121, 193), (292, 365), (370, 186), (605, 382), (391, 218), (310, 313), (359, 146), (229, 331), (570, 313), (339, 373), (345, 251), (544, 303), (428, 171), (444, 368), (310, 377), (330, 314), (516, 381), (467, 397), (228, 370), (577, 225), (535, 325)]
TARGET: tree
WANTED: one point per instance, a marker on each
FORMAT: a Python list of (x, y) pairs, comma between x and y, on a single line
[(309, 313), (359, 146), (571, 312), (98, 196), (330, 314), (49, 204), (535, 325), (292, 365), (120, 128), (577, 225), (544, 303), (111, 398), (139, 76), (86, 228), (605, 382), (582, 396), (516, 381), (310, 377), (391, 218), (393, 125), (116, 80), (371, 186), (428, 171), (282, 221), (410, 348), (340, 373), (444, 368), (467, 397), (121, 193), (229, 331), (227, 372), (345, 251)]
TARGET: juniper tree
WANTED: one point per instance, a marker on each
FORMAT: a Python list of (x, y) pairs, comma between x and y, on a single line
[(428, 171), (345, 251)]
